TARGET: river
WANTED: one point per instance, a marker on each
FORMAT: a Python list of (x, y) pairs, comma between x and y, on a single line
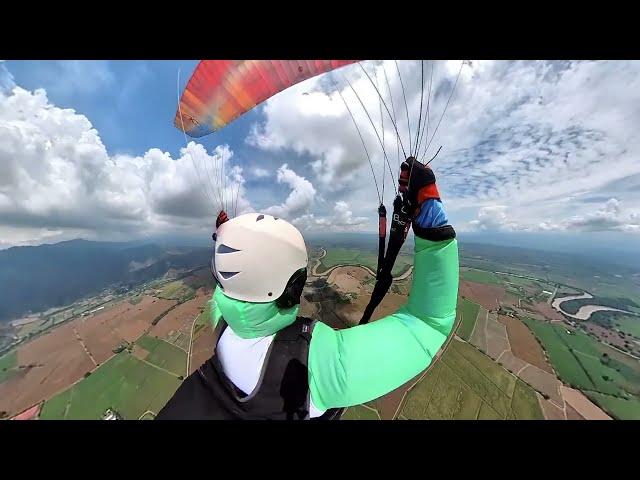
[(585, 311)]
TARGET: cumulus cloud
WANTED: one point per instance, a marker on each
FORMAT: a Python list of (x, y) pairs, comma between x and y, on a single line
[(609, 216), (300, 198), (56, 175), (341, 219), (493, 218), (527, 145)]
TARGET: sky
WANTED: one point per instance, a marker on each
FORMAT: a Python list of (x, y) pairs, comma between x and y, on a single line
[(88, 149)]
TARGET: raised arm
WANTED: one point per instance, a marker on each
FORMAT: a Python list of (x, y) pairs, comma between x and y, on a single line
[(356, 365)]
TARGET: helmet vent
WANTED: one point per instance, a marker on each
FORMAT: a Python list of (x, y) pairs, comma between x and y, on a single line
[(222, 248), (228, 275), (260, 217)]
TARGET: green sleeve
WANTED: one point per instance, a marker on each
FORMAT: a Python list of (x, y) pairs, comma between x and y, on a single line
[(355, 365)]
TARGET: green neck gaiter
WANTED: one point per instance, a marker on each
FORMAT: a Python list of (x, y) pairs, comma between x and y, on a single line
[(251, 320)]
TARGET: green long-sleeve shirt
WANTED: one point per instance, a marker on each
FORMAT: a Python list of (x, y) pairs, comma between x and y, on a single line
[(355, 365)]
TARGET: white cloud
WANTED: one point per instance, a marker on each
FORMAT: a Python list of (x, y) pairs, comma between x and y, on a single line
[(534, 146), (56, 175), (539, 136), (493, 218), (300, 198), (260, 172), (341, 219), (610, 215)]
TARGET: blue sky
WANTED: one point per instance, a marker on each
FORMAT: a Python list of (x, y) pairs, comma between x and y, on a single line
[(88, 149)]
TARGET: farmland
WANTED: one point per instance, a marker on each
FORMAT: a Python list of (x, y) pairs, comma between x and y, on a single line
[(164, 355), (64, 368), (465, 384), (124, 383), (468, 313), (580, 362), (367, 258), (8, 363), (480, 276)]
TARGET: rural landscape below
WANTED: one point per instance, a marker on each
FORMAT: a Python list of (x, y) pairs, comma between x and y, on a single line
[(537, 335)]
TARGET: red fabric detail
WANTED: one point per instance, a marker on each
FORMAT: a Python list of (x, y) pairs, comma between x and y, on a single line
[(430, 191)]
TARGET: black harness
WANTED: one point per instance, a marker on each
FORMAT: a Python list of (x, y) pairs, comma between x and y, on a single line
[(282, 392)]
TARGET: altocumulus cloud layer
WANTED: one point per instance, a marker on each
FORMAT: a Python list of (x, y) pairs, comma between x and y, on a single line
[(533, 146)]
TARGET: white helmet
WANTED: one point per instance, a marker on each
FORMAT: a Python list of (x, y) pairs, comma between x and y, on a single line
[(256, 255)]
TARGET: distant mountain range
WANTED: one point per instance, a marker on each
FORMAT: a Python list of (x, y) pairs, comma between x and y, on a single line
[(37, 278)]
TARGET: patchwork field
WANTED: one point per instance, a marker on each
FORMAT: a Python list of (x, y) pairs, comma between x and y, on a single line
[(177, 290), (580, 362), (465, 384), (164, 355), (125, 383), (489, 296), (175, 326), (8, 364), (360, 412), (368, 258), (45, 366), (524, 344), (468, 312), (480, 276)]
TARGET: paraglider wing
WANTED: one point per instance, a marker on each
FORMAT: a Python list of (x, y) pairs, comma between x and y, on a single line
[(219, 91)]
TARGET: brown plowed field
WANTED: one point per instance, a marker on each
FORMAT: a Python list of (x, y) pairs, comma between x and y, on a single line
[(582, 405), (549, 410), (180, 318), (523, 344), (489, 296), (497, 342), (512, 363), (102, 332), (572, 414), (548, 311), (202, 348), (59, 360), (543, 382)]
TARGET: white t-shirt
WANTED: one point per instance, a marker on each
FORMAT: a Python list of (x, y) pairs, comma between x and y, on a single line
[(242, 360)]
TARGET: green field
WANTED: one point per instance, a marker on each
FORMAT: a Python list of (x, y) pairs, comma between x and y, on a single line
[(466, 384), (468, 312), (578, 360), (628, 324), (564, 362), (480, 276), (164, 355), (205, 316), (56, 407), (359, 412), (7, 364), (176, 291), (123, 383), (625, 409), (352, 256)]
